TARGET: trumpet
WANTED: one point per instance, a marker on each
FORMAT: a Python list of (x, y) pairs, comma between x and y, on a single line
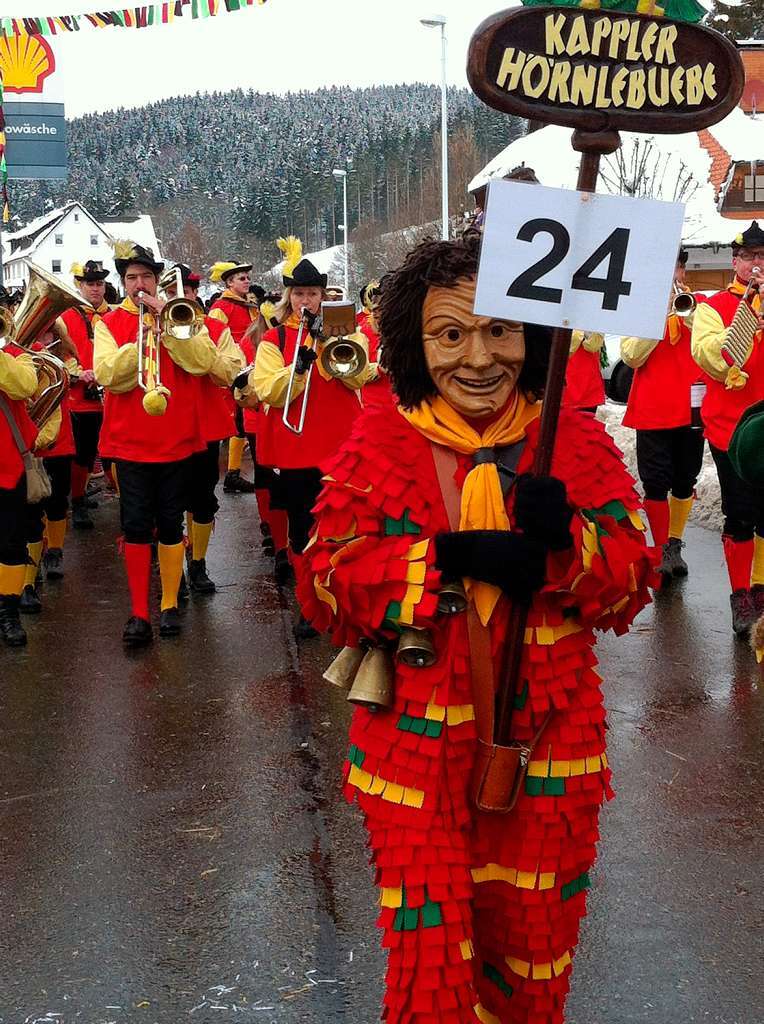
[(684, 303), (181, 318), (341, 357)]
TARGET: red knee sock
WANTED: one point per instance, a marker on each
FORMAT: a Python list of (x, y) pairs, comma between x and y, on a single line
[(658, 518), (263, 499), (80, 476), (279, 528), (739, 557), (138, 565)]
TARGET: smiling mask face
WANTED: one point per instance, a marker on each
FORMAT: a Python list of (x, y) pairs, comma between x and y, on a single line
[(474, 361)]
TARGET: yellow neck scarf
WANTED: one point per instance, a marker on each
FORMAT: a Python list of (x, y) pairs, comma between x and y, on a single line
[(482, 506)]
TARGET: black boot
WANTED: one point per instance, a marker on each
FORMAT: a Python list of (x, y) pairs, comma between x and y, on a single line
[(743, 612), (235, 483), (183, 594), (283, 570), (54, 564), (304, 631), (674, 564), (169, 622), (30, 603), (137, 632), (198, 578), (269, 548), (11, 630), (81, 519)]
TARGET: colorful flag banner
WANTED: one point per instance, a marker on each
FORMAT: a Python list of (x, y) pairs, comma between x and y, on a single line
[(143, 16)]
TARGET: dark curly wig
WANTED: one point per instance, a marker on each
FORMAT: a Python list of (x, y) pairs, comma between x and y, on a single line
[(399, 315)]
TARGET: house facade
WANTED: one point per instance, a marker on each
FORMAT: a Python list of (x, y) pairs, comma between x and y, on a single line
[(69, 235)]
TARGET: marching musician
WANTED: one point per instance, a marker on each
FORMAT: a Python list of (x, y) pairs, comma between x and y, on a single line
[(235, 309), (150, 430), (217, 424), (47, 519), (584, 387), (85, 402), (332, 405), (727, 344), (18, 384), (669, 441)]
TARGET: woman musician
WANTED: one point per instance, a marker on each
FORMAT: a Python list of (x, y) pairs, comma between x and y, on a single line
[(332, 405)]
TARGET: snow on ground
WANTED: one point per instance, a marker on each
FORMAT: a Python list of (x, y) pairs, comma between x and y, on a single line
[(707, 510)]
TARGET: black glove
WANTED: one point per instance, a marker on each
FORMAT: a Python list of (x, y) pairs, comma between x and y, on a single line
[(305, 356), (542, 511), (243, 379), (511, 561)]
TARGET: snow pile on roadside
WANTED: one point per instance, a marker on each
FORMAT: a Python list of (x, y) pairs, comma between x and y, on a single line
[(707, 510)]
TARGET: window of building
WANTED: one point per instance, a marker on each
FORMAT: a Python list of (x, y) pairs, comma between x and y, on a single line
[(59, 239), (754, 188), (56, 266), (76, 218), (94, 239)]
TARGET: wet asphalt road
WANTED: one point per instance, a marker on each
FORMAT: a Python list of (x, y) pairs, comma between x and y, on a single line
[(173, 844)]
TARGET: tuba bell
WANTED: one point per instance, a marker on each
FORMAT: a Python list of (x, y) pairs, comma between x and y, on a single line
[(46, 298)]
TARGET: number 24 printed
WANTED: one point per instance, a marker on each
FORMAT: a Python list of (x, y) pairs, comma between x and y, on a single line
[(614, 249)]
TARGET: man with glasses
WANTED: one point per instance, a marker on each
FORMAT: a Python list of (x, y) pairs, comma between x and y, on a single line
[(734, 384)]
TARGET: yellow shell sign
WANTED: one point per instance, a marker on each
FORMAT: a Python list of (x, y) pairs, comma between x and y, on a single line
[(25, 62)]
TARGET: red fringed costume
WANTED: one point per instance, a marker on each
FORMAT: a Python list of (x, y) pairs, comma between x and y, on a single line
[(480, 913)]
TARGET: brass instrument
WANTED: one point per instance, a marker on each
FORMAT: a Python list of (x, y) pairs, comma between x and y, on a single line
[(743, 327), (341, 356), (45, 300), (181, 318), (684, 303)]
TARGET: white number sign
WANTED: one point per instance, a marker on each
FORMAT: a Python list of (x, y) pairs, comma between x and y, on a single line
[(575, 259)]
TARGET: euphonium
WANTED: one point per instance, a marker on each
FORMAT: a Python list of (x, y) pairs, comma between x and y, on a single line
[(46, 298)]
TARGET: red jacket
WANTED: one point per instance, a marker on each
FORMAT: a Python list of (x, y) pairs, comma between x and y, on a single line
[(64, 443), (379, 391), (723, 407), (660, 392), (235, 313), (128, 431), (253, 418), (215, 402), (79, 327), (11, 463), (584, 387), (332, 410)]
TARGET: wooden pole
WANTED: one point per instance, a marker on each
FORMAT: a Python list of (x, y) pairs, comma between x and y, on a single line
[(591, 145)]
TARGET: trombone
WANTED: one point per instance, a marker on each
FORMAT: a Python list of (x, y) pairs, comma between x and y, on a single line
[(684, 303), (180, 319), (341, 357)]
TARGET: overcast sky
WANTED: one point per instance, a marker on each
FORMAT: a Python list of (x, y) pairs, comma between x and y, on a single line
[(283, 45)]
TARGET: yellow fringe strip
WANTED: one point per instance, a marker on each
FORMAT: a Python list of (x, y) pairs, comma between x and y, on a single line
[(484, 1015), (550, 769), (539, 972), (547, 636), (520, 879), (394, 793)]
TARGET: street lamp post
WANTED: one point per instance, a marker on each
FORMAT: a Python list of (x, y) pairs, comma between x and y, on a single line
[(439, 21), (340, 175)]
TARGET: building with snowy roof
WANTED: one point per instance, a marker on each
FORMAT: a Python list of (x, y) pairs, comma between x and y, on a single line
[(715, 172), (70, 235)]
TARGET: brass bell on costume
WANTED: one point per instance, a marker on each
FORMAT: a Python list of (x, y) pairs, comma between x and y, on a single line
[(415, 648), (343, 669), (452, 598), (374, 682)]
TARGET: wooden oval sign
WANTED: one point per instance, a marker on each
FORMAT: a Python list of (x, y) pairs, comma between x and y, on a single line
[(597, 70)]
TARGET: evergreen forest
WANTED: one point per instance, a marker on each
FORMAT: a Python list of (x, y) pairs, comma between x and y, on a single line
[(224, 174)]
